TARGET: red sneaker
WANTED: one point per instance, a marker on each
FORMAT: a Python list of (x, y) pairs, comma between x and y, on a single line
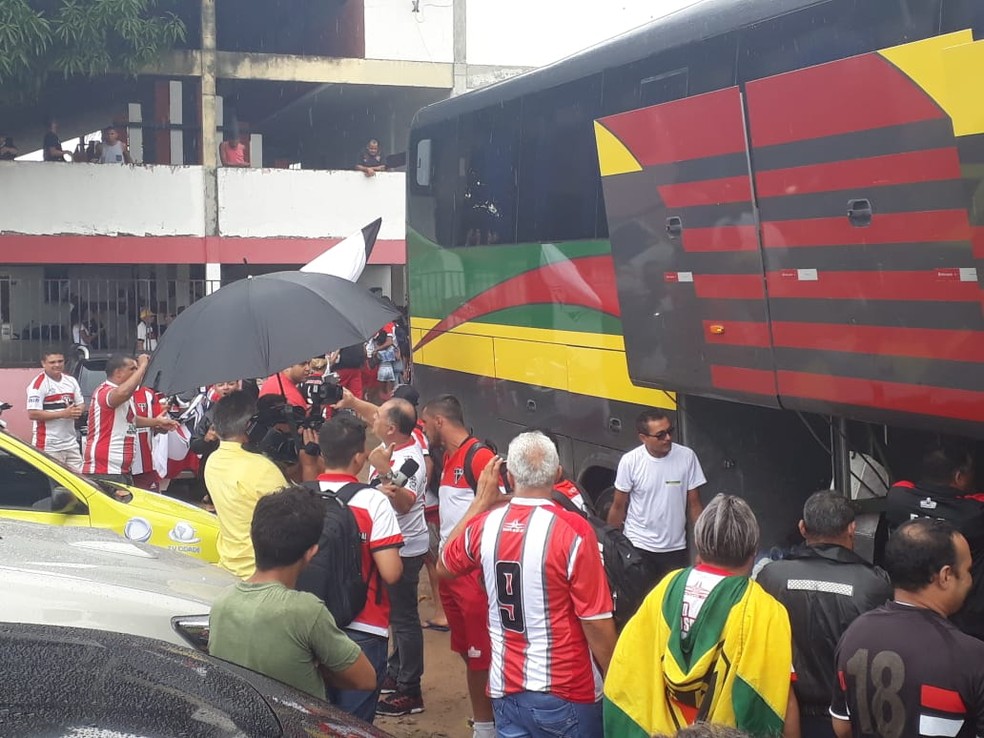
[(400, 703)]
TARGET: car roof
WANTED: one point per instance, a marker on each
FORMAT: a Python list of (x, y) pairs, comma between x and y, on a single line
[(102, 557), (106, 684)]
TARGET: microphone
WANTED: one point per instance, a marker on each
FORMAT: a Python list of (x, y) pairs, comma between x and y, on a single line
[(401, 476)]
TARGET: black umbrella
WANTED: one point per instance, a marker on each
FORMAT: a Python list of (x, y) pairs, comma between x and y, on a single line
[(257, 326)]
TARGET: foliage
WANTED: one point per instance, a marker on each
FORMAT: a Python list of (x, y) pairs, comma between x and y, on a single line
[(79, 38)]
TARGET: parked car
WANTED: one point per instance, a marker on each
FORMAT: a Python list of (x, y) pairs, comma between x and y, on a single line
[(95, 578), (37, 488), (75, 682)]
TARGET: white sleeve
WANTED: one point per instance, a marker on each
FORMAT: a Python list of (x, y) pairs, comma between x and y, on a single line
[(78, 399), (141, 331), (623, 477), (35, 400), (696, 475)]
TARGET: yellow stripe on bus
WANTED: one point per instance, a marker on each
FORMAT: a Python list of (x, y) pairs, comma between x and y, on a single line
[(534, 356)]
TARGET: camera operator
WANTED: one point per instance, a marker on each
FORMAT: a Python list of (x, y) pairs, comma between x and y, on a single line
[(236, 479), (286, 436), (286, 383)]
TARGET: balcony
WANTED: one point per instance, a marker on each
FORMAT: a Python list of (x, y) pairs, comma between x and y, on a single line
[(92, 214)]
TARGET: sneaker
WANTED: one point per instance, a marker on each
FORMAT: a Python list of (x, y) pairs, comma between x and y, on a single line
[(400, 703), (389, 685)]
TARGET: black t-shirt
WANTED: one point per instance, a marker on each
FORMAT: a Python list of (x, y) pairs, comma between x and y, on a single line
[(51, 141), (368, 160), (906, 672)]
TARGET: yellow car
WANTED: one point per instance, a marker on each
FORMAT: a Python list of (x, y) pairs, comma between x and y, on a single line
[(36, 488)]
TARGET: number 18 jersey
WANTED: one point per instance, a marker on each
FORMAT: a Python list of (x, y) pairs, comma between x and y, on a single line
[(905, 672)]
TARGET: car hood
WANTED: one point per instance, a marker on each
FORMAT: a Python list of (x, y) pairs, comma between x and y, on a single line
[(103, 557), (145, 501)]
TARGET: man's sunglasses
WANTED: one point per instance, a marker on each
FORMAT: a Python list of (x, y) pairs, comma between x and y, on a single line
[(661, 435)]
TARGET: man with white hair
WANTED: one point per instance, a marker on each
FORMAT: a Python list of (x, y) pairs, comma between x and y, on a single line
[(550, 610)]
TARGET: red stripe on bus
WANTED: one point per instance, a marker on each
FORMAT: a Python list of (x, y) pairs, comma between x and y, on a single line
[(939, 284), (923, 343), (856, 94), (729, 286), (738, 333), (907, 398), (874, 171), (739, 379), (692, 128), (977, 238), (720, 238), (707, 192), (923, 227)]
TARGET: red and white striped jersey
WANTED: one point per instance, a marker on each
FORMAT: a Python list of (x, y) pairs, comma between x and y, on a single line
[(146, 404), (543, 572), (45, 393), (109, 445), (379, 530)]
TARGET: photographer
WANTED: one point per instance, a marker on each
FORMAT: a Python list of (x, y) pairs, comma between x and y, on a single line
[(286, 436), (236, 479)]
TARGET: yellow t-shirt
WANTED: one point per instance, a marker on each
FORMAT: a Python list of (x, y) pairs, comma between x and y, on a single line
[(236, 480)]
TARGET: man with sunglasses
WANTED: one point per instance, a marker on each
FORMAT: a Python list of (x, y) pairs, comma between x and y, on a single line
[(656, 493)]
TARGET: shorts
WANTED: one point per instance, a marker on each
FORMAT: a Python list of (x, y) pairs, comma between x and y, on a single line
[(467, 608), (70, 457), (385, 372)]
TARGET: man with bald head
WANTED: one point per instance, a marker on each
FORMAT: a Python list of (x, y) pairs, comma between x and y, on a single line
[(393, 424)]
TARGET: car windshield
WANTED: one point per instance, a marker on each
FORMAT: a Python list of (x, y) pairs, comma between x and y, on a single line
[(91, 375), (118, 492)]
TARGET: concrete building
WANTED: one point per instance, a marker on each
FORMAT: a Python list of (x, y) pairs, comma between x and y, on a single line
[(303, 84)]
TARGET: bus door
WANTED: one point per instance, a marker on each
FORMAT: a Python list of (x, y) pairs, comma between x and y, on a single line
[(685, 245), (868, 176)]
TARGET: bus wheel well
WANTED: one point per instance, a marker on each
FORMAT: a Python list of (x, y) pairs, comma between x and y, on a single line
[(596, 479)]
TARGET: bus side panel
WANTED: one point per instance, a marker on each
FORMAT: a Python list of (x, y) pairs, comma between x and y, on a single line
[(865, 214), (685, 245)]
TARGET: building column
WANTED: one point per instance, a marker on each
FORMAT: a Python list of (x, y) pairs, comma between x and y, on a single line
[(213, 277), (210, 142), (459, 32)]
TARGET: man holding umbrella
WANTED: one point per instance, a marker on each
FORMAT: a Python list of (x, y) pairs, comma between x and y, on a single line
[(286, 383)]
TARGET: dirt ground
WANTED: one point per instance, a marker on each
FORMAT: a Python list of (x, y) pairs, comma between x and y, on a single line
[(446, 706)]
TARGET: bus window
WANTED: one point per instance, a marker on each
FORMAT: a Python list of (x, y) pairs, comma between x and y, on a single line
[(559, 183), (433, 181), (833, 30), (961, 14), (489, 150)]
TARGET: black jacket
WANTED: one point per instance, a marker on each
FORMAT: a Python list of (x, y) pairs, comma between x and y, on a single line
[(824, 588), (907, 500)]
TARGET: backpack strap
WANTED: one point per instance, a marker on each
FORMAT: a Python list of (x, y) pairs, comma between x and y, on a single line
[(567, 503), (470, 462), (345, 493)]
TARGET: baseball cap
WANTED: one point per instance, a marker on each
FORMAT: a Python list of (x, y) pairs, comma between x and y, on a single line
[(408, 393)]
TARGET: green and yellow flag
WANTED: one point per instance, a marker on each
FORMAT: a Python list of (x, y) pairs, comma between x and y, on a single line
[(733, 666)]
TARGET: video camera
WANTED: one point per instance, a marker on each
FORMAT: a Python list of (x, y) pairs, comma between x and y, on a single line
[(263, 435), (318, 393)]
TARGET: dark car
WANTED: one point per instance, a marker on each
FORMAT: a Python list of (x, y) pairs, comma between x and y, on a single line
[(89, 369), (75, 681)]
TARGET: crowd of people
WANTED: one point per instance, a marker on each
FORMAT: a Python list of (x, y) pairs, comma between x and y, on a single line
[(329, 513)]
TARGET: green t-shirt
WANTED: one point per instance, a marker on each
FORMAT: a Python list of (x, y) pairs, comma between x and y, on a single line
[(279, 632)]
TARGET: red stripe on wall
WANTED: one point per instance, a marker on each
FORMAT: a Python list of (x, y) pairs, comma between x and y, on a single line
[(906, 398), (875, 171), (720, 238), (855, 94), (944, 700), (18, 249), (729, 286), (929, 227), (738, 379), (940, 284), (738, 333), (707, 192), (692, 128), (923, 343)]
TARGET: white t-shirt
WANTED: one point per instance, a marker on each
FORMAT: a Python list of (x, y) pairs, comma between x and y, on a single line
[(657, 487), (416, 539), (700, 584), (147, 334), (44, 393)]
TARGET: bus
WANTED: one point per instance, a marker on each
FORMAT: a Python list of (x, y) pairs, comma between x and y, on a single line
[(766, 216)]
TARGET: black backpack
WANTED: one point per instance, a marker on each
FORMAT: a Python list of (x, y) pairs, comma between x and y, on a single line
[(351, 357), (623, 563), (335, 573)]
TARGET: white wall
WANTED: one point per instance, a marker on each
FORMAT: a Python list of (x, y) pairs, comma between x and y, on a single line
[(537, 32), (270, 203), (47, 198), (393, 31)]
